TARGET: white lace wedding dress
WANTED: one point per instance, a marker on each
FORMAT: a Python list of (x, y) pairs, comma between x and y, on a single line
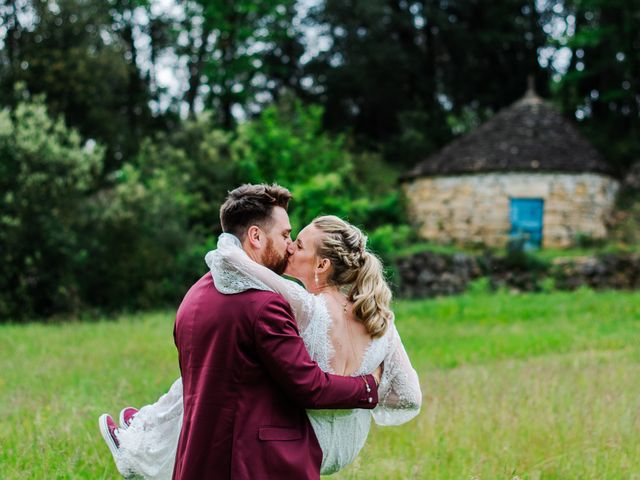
[(148, 446)]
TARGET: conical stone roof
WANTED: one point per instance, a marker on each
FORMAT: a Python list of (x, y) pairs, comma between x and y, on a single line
[(528, 136)]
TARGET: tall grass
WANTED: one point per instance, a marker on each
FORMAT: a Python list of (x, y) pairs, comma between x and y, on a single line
[(534, 386)]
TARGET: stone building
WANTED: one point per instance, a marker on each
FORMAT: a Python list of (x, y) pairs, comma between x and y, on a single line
[(525, 172)]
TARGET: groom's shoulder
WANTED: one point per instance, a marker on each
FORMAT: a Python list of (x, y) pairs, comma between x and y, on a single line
[(263, 304), (250, 300), (261, 299)]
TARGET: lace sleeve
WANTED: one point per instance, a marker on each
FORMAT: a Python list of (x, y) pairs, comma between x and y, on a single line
[(233, 271), (399, 392)]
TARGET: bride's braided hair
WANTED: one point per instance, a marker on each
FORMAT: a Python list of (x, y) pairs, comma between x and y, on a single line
[(352, 264)]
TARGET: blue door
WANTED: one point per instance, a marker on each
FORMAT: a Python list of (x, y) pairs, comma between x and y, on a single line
[(526, 220)]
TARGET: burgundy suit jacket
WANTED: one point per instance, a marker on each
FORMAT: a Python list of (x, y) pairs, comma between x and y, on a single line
[(247, 380)]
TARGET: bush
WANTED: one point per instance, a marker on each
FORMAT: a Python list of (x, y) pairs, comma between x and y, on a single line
[(136, 232), (624, 223), (65, 244), (70, 238), (518, 257), (286, 144), (46, 172), (197, 163)]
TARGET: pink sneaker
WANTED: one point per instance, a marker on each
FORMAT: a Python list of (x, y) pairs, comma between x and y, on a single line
[(126, 415), (109, 431)]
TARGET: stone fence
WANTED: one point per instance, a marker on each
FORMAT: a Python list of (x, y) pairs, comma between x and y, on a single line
[(428, 274)]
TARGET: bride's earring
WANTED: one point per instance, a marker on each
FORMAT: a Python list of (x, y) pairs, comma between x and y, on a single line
[(316, 278)]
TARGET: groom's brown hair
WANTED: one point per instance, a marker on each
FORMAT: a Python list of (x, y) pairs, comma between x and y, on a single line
[(251, 205)]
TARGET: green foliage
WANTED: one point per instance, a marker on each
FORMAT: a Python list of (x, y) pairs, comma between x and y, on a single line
[(601, 85), (547, 285), (134, 202), (386, 241), (197, 162), (81, 54), (624, 231), (70, 242), (479, 286), (585, 240), (134, 235), (66, 244), (45, 173), (389, 239), (401, 77), (243, 52), (286, 144), (517, 256), (399, 73)]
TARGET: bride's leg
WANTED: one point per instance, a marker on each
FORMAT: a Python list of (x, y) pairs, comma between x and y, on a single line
[(148, 446)]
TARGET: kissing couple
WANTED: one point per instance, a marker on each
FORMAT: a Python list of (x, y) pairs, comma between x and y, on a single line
[(278, 381)]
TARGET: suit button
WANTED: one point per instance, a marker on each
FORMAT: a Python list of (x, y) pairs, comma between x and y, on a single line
[(370, 400)]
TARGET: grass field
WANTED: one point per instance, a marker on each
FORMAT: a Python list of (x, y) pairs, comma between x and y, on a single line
[(532, 387)]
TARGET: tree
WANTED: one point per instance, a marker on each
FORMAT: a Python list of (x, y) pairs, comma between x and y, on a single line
[(196, 159), (81, 54), (45, 174), (239, 54), (601, 86), (136, 245), (402, 72), (287, 144)]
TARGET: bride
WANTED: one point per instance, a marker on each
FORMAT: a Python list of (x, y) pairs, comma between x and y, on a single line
[(344, 319)]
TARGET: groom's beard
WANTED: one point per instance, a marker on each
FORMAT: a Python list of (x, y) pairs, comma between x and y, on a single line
[(273, 261)]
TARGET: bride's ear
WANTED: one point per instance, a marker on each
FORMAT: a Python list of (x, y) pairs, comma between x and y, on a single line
[(323, 265)]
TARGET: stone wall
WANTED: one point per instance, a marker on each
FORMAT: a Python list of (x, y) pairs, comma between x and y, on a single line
[(475, 208), (610, 271), (429, 274)]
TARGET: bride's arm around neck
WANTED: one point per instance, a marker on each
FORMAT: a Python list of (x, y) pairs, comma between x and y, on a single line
[(231, 266)]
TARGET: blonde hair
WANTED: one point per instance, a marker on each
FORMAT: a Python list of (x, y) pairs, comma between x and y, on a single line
[(352, 264)]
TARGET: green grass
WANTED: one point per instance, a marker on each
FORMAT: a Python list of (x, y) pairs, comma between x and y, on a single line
[(532, 387)]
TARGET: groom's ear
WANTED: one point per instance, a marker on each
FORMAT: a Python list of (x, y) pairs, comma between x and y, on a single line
[(255, 236)]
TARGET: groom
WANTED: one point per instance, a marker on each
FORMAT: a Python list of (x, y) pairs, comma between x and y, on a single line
[(247, 377)]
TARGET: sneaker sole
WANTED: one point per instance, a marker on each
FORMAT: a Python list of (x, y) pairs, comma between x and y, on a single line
[(121, 421), (104, 430)]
